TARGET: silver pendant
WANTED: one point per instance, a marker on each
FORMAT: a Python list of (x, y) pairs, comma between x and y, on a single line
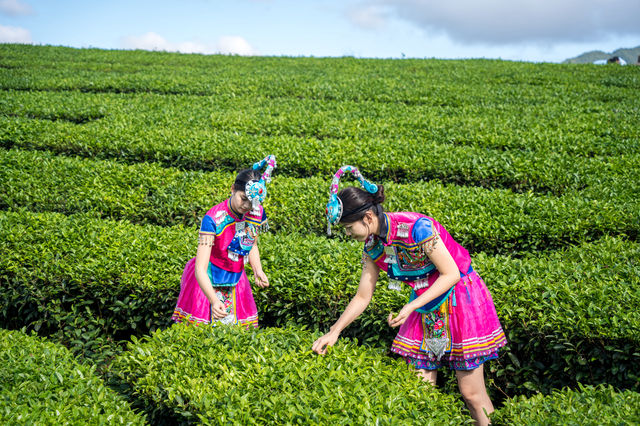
[(233, 255), (390, 251), (437, 346), (240, 226), (255, 207), (395, 285), (420, 284), (229, 319), (403, 230)]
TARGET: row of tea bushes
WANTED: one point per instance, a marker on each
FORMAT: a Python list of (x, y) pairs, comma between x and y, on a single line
[(226, 375), (42, 383), (406, 82), (570, 316), (587, 405), (88, 281), (491, 125), (229, 375), (407, 160), (481, 122), (496, 221)]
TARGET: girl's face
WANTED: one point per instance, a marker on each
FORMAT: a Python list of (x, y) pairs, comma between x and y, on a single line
[(239, 202), (357, 230)]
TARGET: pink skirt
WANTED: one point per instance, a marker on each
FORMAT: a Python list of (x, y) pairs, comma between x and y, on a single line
[(473, 327), (194, 306)]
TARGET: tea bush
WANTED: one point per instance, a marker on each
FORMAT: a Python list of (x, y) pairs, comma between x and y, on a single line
[(204, 148), (586, 405), (563, 310), (42, 383), (492, 221), (569, 316), (87, 281), (227, 375), (407, 82), (525, 127)]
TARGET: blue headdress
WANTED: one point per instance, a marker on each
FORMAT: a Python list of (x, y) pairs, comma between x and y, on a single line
[(256, 190), (334, 206)]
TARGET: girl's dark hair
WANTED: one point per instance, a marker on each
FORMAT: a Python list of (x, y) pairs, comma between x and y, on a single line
[(356, 202), (245, 176)]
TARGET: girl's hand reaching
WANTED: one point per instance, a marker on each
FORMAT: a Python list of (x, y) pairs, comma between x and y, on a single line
[(218, 310), (400, 318), (321, 345), (261, 279)]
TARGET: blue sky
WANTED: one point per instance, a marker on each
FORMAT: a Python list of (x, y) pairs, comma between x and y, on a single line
[(523, 30)]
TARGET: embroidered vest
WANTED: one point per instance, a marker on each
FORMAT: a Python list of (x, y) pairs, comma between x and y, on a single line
[(234, 236), (403, 258)]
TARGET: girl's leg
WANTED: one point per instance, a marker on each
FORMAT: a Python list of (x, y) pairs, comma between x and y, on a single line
[(429, 376), (474, 392)]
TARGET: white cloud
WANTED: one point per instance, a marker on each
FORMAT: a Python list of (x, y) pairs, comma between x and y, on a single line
[(14, 35), (235, 45), (505, 22), (148, 41), (153, 41), (369, 17), (15, 8)]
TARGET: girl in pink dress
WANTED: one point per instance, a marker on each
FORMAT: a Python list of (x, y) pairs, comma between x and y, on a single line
[(214, 285), (449, 317)]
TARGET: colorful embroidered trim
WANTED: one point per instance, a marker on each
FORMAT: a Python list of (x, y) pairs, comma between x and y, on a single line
[(179, 315), (467, 364)]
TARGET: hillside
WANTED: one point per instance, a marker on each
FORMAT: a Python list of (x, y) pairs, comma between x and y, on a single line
[(630, 55)]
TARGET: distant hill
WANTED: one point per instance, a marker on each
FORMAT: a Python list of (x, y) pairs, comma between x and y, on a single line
[(629, 55)]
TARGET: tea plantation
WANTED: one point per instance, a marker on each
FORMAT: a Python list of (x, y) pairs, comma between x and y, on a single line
[(109, 159)]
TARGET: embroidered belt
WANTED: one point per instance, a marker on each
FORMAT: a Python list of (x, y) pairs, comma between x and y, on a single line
[(436, 330)]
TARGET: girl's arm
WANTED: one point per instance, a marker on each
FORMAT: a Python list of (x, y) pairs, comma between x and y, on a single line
[(449, 276), (256, 266), (357, 305), (202, 263)]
